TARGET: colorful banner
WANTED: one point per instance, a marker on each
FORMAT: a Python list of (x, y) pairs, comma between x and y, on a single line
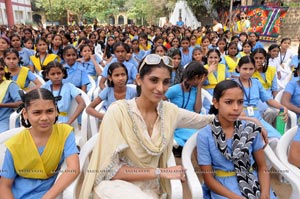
[(266, 21)]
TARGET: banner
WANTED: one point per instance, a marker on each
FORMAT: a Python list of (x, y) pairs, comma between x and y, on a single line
[(266, 21)]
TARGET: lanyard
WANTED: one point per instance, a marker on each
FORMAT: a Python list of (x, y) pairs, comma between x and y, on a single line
[(248, 97), (58, 97), (282, 59), (183, 98), (41, 63)]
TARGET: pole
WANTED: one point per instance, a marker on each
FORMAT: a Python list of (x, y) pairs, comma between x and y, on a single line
[(50, 6), (230, 12)]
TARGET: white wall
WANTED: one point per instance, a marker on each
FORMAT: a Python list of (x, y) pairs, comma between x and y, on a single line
[(21, 13)]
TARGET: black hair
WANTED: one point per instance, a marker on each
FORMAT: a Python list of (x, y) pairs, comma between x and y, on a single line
[(68, 47), (226, 44), (233, 43), (185, 38), (246, 60), (6, 74), (60, 49), (247, 42), (147, 68), (119, 43), (155, 47), (37, 54), (216, 51), (54, 64), (40, 93), (12, 50), (85, 45), (256, 35), (273, 46), (111, 69), (25, 40), (85, 39), (193, 69), (297, 71), (68, 37), (173, 51), (234, 37), (219, 90), (285, 39), (243, 33), (264, 52)]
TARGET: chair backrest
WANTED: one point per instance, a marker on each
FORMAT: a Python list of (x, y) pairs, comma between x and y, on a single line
[(195, 185), (97, 89), (3, 138), (205, 95), (87, 148), (92, 88), (31, 84), (94, 122), (291, 114), (80, 134), (282, 149), (192, 179), (13, 118)]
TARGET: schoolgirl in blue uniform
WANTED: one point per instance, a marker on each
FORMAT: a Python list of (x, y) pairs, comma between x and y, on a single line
[(9, 98), (24, 53), (63, 92), (77, 75)]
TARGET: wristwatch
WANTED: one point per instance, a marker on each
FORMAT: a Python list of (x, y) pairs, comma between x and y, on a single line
[(157, 172)]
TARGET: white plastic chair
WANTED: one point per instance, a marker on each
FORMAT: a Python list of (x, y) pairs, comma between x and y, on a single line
[(94, 122), (195, 185), (291, 114), (92, 88), (97, 89), (205, 95), (70, 191), (80, 134), (31, 84), (282, 149), (13, 119)]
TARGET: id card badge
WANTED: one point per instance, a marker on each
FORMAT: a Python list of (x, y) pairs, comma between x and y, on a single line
[(250, 111)]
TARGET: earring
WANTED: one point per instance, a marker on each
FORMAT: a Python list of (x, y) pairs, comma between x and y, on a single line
[(26, 122)]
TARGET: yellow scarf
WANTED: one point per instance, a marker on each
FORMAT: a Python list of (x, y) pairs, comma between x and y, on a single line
[(28, 162), (3, 88), (22, 76), (37, 64), (213, 81), (270, 75), (231, 63)]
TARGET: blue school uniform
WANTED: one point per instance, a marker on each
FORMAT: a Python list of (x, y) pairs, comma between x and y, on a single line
[(11, 95), (132, 70), (108, 95), (257, 45), (90, 67), (68, 92), (209, 154), (293, 88), (25, 55), (185, 100), (186, 58), (34, 188), (76, 75), (252, 96), (141, 54), (295, 61), (30, 78)]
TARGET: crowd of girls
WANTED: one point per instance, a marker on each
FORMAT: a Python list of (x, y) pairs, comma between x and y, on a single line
[(168, 69)]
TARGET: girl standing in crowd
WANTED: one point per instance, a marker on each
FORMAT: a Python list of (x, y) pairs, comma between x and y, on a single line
[(9, 98), (231, 59), (4, 44), (24, 53), (186, 51), (77, 75), (137, 53), (254, 92), (285, 56), (222, 46), (187, 95), (273, 52), (90, 61), (63, 92), (290, 99), (56, 46), (138, 127), (175, 42), (246, 49), (204, 45), (40, 149), (117, 89), (254, 39), (225, 157), (20, 74), (120, 53), (177, 70), (108, 51), (170, 37), (160, 50), (40, 60), (198, 55)]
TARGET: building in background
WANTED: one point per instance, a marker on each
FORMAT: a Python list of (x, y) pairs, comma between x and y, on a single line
[(15, 12)]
